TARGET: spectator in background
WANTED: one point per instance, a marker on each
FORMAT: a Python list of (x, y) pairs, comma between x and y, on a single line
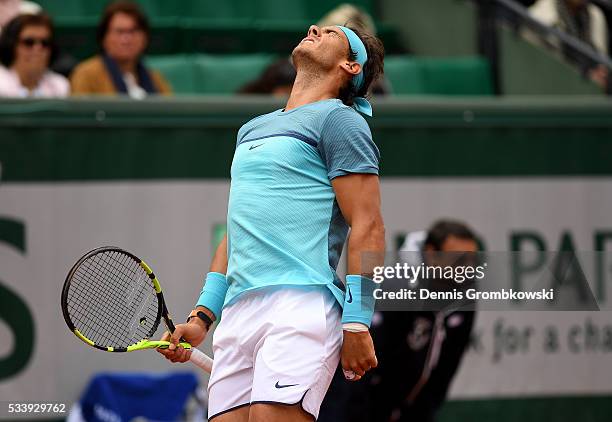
[(418, 352), (26, 49), (606, 8), (347, 13), (277, 80), (10, 9), (63, 62), (580, 19), (123, 34)]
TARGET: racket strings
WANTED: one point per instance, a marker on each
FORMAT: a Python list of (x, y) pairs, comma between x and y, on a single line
[(91, 310), (92, 297), (111, 300), (140, 285), (93, 318), (125, 313)]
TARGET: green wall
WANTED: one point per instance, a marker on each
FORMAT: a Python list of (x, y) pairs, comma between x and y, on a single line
[(194, 138), (536, 409)]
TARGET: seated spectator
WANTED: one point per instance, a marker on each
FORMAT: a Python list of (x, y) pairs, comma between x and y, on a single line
[(64, 62), (26, 49), (346, 13), (578, 18), (123, 35), (582, 20), (277, 80)]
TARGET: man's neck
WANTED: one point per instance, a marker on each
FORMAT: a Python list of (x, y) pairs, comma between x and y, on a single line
[(309, 88)]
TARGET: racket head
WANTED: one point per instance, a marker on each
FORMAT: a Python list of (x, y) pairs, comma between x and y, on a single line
[(112, 300)]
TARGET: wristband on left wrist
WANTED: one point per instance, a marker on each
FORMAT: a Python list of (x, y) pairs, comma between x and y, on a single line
[(213, 293)]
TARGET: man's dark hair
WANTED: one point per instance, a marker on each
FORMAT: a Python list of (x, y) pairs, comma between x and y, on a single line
[(442, 229), (128, 8), (11, 32), (372, 70)]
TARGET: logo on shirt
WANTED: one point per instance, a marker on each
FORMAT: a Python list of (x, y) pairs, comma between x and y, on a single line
[(284, 386), (255, 146)]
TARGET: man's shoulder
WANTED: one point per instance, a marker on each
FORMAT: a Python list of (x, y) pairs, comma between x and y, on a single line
[(337, 107), (341, 115)]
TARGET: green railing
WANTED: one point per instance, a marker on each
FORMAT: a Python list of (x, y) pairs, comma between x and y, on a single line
[(191, 138)]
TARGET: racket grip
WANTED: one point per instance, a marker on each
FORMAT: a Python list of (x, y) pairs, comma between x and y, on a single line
[(200, 359)]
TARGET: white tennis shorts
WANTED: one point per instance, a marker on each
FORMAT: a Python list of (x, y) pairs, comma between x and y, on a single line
[(276, 346)]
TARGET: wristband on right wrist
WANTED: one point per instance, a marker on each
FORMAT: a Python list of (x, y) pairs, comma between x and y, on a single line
[(213, 293), (359, 300), (354, 327)]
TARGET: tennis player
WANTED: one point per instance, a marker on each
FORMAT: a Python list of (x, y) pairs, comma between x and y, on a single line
[(301, 176)]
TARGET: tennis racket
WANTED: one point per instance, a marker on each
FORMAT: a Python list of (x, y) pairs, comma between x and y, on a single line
[(112, 301)]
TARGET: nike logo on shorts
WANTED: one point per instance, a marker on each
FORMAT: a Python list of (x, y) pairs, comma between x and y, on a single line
[(284, 386), (255, 146)]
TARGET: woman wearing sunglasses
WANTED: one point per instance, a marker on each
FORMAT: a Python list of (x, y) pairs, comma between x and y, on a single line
[(26, 49)]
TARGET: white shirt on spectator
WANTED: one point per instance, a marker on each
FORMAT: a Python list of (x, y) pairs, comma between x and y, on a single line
[(50, 85), (546, 12), (135, 91)]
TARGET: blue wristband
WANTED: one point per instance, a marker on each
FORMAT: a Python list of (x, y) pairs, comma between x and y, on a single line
[(359, 300), (213, 293)]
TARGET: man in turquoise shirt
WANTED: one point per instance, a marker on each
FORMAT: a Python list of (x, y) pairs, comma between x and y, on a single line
[(301, 176)]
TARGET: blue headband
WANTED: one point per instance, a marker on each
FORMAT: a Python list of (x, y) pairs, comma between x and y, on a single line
[(358, 48)]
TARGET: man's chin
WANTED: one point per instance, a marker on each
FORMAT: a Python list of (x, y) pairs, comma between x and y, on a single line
[(298, 48), (301, 53)]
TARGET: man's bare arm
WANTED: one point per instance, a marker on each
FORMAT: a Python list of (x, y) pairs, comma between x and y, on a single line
[(218, 265), (358, 196)]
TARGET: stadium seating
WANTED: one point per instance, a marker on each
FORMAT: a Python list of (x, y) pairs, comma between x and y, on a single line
[(204, 26), (210, 9), (210, 47), (208, 74), (172, 35), (225, 74), (439, 76)]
